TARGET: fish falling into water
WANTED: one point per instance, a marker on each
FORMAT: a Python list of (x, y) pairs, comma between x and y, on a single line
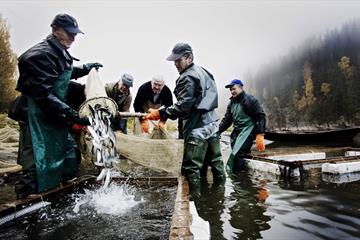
[(103, 141)]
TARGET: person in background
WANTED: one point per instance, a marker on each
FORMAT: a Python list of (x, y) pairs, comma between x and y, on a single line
[(120, 92), (46, 148), (152, 94), (248, 119), (197, 99)]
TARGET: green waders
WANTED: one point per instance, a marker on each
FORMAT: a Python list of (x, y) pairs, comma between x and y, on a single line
[(52, 144), (243, 126), (198, 152)]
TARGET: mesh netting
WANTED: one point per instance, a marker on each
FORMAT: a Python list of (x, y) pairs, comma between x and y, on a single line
[(159, 154), (9, 138)]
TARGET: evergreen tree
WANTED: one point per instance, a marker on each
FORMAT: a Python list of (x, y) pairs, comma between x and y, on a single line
[(8, 64)]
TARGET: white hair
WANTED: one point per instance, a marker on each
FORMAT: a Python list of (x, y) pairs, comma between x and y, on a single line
[(158, 78)]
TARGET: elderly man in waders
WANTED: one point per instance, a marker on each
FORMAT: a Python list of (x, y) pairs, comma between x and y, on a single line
[(46, 148), (152, 94), (197, 99), (248, 119)]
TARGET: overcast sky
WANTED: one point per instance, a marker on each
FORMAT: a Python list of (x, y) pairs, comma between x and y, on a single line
[(229, 38)]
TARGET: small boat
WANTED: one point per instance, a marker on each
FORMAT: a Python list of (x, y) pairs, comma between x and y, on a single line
[(344, 135)]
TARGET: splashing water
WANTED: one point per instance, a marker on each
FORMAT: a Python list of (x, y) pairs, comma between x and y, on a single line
[(103, 141), (114, 200)]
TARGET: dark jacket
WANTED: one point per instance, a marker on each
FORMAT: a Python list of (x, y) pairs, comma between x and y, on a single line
[(123, 100), (39, 67), (251, 107), (195, 92), (145, 93)]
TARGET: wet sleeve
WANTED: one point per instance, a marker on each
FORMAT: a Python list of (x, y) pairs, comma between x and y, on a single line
[(186, 98), (227, 120), (259, 116), (43, 73), (79, 72)]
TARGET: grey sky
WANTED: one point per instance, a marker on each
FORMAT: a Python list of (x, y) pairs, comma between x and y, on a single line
[(228, 37)]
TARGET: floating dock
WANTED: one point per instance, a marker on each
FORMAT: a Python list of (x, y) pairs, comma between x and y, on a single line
[(298, 165)]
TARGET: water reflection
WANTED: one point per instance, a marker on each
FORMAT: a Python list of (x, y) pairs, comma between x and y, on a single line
[(209, 203), (248, 206), (234, 210), (252, 205), (313, 209)]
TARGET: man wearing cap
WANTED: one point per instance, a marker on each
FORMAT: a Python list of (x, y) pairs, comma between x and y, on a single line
[(120, 92), (248, 119), (152, 94), (197, 99), (46, 149)]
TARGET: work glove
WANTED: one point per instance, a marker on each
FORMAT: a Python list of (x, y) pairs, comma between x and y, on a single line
[(154, 114), (144, 126), (260, 142), (89, 66), (76, 128)]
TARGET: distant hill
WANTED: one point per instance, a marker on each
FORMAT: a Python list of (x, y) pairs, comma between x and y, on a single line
[(316, 84)]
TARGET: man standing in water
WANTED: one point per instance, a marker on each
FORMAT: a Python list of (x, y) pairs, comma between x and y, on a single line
[(46, 149), (248, 118), (197, 99)]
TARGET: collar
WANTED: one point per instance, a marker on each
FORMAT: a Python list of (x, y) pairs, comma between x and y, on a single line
[(192, 64), (53, 41), (239, 97)]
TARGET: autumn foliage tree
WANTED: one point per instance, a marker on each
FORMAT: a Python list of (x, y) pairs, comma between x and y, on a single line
[(317, 84), (8, 64)]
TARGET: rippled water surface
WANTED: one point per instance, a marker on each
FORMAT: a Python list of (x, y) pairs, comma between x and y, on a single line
[(255, 206)]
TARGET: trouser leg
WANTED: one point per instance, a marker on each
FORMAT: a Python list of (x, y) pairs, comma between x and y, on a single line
[(214, 160), (194, 155), (123, 125), (71, 161), (239, 161), (27, 184)]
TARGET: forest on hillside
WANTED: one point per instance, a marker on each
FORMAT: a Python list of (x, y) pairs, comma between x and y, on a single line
[(315, 85)]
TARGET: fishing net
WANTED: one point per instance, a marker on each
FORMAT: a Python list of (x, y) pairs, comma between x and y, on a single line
[(9, 141), (162, 155), (156, 152)]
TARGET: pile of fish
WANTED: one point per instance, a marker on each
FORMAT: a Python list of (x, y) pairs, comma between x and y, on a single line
[(103, 141)]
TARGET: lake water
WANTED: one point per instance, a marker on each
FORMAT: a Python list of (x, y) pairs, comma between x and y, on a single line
[(255, 205), (250, 205)]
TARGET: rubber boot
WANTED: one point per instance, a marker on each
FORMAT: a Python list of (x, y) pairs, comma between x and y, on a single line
[(239, 165), (194, 155), (214, 160)]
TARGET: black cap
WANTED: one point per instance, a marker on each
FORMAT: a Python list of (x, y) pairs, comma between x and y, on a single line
[(178, 51), (67, 22)]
